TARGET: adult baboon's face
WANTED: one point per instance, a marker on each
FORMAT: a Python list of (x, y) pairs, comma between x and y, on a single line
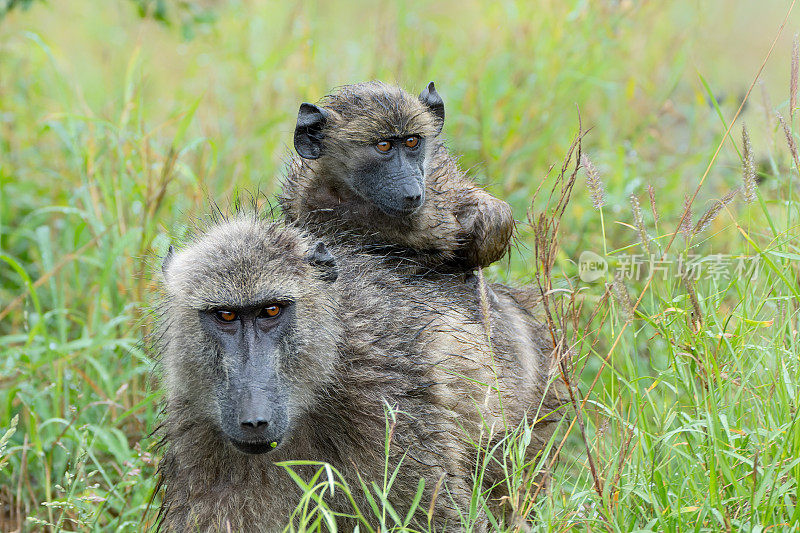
[(253, 393), (251, 332)]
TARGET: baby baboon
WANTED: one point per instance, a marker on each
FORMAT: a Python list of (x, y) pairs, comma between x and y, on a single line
[(372, 168), (274, 350)]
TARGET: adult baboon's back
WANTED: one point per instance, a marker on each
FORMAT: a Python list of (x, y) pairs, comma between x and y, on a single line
[(273, 350)]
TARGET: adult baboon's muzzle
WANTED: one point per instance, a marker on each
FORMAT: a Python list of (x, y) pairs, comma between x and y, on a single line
[(257, 418)]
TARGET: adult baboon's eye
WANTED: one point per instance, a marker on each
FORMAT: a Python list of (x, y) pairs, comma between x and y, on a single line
[(384, 146), (412, 141), (271, 311), (226, 316)]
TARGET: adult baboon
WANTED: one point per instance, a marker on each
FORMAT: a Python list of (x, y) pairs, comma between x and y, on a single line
[(372, 169), (274, 350)]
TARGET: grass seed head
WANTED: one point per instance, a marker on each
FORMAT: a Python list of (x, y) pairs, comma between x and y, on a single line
[(686, 214), (638, 221), (790, 141), (622, 297), (593, 182), (652, 193), (748, 168), (713, 211)]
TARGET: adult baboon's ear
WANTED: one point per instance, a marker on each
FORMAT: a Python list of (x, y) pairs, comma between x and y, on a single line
[(308, 132), (431, 98), (320, 257), (167, 259)]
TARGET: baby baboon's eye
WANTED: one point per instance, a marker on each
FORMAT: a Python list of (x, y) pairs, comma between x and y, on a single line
[(271, 311), (384, 146), (412, 141), (226, 316)]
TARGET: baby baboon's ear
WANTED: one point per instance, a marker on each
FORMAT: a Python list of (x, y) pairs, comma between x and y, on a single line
[(308, 132), (320, 257), (431, 98), (167, 260)]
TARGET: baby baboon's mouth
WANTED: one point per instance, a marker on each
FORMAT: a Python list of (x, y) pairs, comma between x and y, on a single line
[(254, 448), (398, 213)]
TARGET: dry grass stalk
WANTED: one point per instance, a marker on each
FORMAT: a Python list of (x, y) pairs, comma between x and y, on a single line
[(713, 211), (593, 182), (546, 224), (485, 308), (622, 457), (559, 312), (793, 81), (766, 104), (748, 168), (579, 343), (695, 316)]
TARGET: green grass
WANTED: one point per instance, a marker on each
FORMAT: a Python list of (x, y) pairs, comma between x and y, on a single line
[(114, 132)]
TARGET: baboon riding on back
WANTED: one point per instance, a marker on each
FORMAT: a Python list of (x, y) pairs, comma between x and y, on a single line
[(275, 348), (372, 170)]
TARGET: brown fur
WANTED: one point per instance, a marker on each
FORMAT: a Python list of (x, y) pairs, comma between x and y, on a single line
[(370, 339), (459, 227)]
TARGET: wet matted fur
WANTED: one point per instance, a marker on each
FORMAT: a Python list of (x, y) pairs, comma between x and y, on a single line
[(368, 340), (458, 228)]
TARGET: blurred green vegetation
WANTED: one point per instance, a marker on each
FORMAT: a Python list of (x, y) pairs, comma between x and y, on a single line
[(115, 130)]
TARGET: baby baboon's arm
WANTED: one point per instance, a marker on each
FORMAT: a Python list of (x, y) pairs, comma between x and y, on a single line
[(487, 224)]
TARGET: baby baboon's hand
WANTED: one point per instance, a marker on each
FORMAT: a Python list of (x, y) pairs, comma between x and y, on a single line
[(488, 224)]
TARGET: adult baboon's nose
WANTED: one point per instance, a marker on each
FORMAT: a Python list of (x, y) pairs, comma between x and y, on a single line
[(253, 412), (253, 423)]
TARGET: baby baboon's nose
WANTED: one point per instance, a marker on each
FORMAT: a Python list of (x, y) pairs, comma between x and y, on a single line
[(412, 201)]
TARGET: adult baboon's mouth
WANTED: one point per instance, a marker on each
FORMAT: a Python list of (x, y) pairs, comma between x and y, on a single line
[(254, 448)]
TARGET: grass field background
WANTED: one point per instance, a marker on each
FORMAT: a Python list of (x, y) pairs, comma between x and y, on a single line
[(115, 130)]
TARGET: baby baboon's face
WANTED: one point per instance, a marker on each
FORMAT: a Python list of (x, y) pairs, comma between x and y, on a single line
[(375, 139), (390, 173), (248, 335)]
